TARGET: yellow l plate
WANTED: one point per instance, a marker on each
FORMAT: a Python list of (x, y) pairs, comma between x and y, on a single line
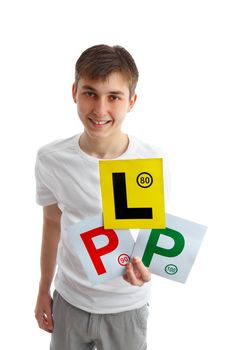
[(132, 193)]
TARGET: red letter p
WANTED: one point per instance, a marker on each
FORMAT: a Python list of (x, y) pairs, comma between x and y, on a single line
[(94, 253)]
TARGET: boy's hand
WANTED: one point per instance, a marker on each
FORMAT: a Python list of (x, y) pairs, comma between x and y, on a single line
[(136, 272), (43, 312)]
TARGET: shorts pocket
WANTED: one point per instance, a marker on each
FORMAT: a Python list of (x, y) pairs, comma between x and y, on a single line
[(142, 316)]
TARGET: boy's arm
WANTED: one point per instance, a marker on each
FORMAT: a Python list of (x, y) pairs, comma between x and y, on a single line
[(50, 239)]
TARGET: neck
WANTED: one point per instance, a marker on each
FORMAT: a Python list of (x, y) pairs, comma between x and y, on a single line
[(106, 148)]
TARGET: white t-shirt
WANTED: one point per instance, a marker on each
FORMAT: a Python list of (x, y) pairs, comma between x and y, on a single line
[(69, 177)]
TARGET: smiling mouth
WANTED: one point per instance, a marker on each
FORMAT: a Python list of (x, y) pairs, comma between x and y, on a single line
[(102, 122)]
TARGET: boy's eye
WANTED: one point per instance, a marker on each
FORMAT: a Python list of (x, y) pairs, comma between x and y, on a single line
[(114, 98), (89, 94)]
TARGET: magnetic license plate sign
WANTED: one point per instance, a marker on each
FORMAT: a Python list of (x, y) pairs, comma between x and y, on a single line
[(132, 193), (170, 252), (103, 253)]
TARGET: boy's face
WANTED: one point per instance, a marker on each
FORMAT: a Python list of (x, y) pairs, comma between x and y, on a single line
[(102, 105)]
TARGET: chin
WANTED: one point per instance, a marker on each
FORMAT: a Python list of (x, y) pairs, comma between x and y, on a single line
[(98, 134)]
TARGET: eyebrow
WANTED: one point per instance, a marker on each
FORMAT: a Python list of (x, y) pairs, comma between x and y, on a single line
[(117, 93), (90, 88)]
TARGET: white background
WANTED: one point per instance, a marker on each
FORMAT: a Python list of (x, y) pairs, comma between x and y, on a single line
[(183, 50)]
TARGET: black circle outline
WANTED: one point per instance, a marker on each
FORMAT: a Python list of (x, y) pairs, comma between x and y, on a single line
[(151, 177)]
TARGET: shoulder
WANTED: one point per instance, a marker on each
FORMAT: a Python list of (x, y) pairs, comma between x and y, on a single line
[(144, 149), (56, 147)]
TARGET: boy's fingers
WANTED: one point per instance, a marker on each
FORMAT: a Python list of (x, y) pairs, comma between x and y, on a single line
[(49, 321), (126, 277), (44, 321), (131, 277), (145, 273), (43, 312), (136, 273)]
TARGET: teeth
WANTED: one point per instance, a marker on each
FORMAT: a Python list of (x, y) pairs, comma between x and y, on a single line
[(100, 123)]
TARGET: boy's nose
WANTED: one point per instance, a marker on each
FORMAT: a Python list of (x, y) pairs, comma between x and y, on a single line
[(100, 108)]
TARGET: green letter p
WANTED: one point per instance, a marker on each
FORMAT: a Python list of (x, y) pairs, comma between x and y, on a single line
[(152, 247)]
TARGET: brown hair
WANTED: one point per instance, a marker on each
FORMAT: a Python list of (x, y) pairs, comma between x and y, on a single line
[(99, 61)]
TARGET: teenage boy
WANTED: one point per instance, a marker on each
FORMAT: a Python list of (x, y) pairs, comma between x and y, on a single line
[(113, 315)]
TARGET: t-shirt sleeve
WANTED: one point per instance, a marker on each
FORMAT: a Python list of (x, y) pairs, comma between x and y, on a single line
[(44, 192)]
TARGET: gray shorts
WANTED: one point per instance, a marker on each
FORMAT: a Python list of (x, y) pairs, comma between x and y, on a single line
[(75, 329)]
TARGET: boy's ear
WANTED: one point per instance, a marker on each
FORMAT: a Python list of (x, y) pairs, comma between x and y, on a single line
[(74, 91), (132, 102)]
